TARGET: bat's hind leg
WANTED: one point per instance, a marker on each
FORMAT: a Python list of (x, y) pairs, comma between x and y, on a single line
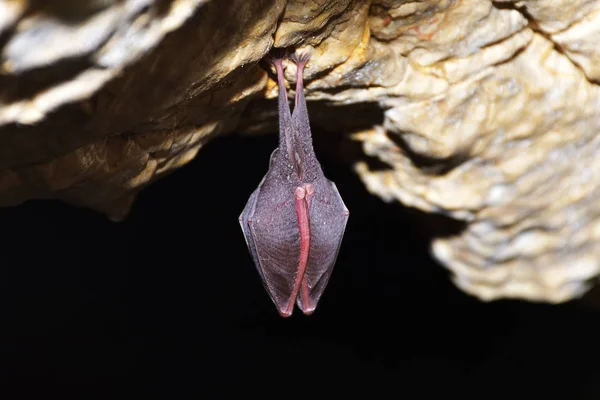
[(300, 58)]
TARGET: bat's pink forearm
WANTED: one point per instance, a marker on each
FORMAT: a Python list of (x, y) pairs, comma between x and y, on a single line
[(308, 307), (302, 211)]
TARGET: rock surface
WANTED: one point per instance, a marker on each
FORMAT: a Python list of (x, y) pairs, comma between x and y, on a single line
[(484, 111)]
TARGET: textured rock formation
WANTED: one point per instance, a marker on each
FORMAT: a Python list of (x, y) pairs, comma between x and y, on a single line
[(98, 100), (485, 111)]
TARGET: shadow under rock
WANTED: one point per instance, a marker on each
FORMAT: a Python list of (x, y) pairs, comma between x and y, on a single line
[(171, 294)]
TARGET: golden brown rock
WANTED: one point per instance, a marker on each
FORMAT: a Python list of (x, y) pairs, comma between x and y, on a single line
[(76, 113), (490, 110), (510, 149)]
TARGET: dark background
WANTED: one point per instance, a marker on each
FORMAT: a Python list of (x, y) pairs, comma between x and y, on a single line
[(171, 295)]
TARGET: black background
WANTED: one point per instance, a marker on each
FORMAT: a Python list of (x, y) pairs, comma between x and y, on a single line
[(171, 295)]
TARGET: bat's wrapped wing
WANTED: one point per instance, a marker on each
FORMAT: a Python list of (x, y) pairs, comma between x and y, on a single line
[(270, 225)]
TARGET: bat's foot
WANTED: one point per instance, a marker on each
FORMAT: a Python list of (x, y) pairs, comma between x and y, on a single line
[(300, 58), (276, 55)]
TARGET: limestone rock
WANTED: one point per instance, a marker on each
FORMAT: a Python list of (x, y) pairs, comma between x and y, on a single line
[(99, 98), (509, 147), (484, 111)]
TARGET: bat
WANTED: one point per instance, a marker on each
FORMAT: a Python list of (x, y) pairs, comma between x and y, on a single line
[(294, 221)]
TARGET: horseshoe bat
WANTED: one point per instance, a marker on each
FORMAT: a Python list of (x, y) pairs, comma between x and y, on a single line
[(294, 221)]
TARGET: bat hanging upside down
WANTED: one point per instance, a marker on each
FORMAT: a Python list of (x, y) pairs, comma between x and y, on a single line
[(295, 220)]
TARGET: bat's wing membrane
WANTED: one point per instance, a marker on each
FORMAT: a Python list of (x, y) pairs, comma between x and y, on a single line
[(271, 229), (248, 212), (244, 222), (328, 217)]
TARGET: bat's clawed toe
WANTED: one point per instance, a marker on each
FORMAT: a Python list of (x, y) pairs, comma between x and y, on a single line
[(300, 57), (276, 55)]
